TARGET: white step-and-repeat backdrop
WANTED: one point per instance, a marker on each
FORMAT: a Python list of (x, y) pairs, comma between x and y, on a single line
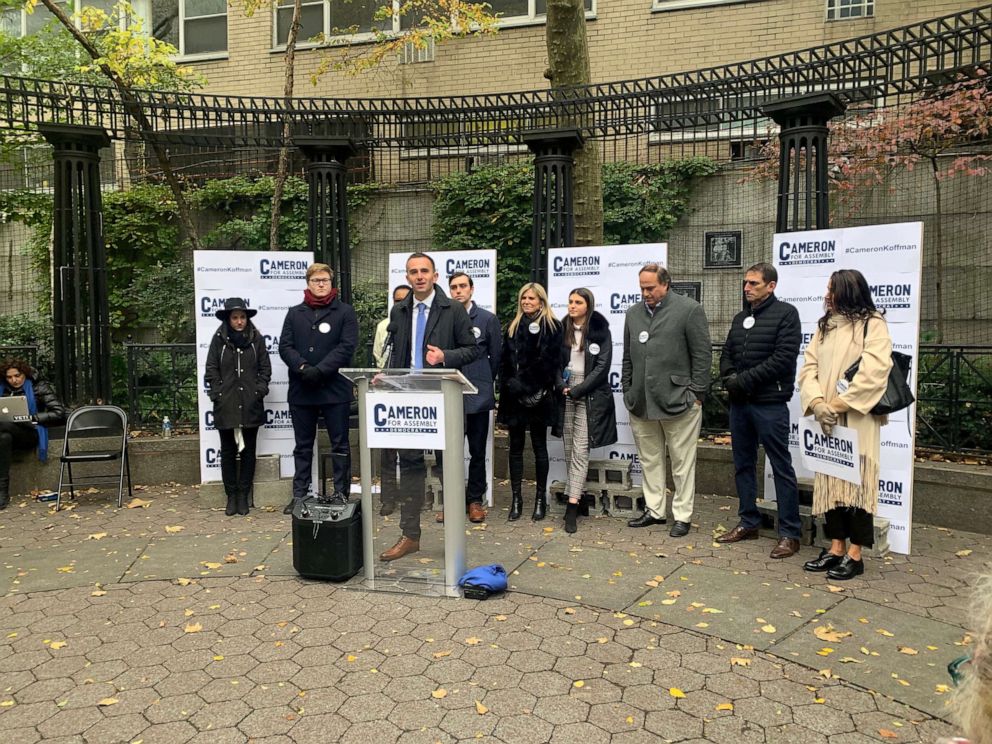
[(611, 274), (270, 283), (890, 257), (481, 266)]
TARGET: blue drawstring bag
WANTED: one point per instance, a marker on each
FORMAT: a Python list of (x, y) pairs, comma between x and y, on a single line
[(482, 581)]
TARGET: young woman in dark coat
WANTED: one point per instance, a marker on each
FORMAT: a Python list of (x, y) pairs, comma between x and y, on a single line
[(528, 369), (586, 416), (238, 373), (45, 408)]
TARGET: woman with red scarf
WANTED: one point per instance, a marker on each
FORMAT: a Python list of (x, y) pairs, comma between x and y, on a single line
[(318, 338)]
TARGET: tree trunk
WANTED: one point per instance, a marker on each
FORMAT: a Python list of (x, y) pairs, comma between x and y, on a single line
[(939, 250), (282, 170), (568, 70), (145, 129)]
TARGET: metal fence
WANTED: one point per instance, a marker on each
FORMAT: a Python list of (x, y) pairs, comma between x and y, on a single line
[(161, 381)]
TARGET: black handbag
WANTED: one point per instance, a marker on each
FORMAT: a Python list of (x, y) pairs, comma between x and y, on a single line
[(897, 392), (534, 399)]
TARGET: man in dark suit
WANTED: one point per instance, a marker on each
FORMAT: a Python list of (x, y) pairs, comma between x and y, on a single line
[(318, 338), (428, 330)]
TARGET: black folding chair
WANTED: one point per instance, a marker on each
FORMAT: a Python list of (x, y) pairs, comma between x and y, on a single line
[(88, 422)]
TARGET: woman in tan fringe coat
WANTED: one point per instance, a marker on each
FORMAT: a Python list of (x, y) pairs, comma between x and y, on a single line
[(841, 339)]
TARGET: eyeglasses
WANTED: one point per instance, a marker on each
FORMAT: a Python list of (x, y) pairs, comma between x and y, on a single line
[(752, 283), (320, 281)]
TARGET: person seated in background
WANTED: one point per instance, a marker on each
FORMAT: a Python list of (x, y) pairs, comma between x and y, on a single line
[(45, 409)]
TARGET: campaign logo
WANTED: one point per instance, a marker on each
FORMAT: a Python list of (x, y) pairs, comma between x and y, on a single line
[(792, 253), (615, 385), (209, 305), (894, 444), (584, 266), (892, 296), (628, 264), (283, 268), (805, 341), (621, 302), (477, 268), (206, 384), (403, 419), (281, 420), (891, 492), (887, 248), (208, 421), (794, 434), (631, 457), (271, 344), (211, 456)]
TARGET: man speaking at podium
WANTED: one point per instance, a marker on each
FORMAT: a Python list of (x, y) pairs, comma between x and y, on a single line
[(427, 330)]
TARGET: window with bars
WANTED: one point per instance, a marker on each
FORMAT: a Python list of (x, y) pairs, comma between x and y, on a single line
[(839, 10)]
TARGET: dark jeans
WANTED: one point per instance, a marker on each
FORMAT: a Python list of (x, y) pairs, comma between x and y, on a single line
[(14, 436), (539, 442), (408, 491), (305, 430), (477, 433), (768, 425), (850, 523), (229, 458)]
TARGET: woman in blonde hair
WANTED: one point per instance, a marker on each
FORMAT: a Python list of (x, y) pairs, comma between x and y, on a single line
[(528, 370), (971, 705)]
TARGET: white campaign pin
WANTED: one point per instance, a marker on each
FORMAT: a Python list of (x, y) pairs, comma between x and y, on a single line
[(642, 337), (594, 349), (476, 331), (749, 322), (534, 328), (324, 327), (842, 385)]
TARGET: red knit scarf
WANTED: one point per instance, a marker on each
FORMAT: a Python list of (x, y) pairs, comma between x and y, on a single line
[(310, 301)]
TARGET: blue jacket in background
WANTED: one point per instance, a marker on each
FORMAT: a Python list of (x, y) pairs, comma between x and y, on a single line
[(482, 372)]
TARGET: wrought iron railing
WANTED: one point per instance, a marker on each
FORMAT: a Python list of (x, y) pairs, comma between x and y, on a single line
[(896, 62), (162, 381), (953, 407)]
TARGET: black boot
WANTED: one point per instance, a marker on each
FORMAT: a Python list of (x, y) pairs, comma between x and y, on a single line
[(571, 512), (540, 506), (229, 476), (232, 505), (517, 505), (5, 491), (242, 502)]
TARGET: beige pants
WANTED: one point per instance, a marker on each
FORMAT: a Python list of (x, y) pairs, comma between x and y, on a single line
[(679, 436)]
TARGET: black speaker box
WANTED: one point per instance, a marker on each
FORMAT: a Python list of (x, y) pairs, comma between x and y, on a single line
[(327, 539)]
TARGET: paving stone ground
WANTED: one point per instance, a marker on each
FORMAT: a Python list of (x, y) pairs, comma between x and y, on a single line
[(117, 626)]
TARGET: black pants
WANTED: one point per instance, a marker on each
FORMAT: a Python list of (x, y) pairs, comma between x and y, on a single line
[(14, 437), (477, 433), (850, 523), (408, 489), (539, 442), (235, 481), (305, 430)]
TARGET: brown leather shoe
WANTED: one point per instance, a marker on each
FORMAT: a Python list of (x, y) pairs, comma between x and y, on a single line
[(476, 513), (738, 533), (404, 546), (786, 546)]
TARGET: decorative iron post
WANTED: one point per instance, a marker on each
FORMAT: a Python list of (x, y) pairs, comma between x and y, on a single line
[(554, 220), (327, 230), (802, 166), (81, 316)]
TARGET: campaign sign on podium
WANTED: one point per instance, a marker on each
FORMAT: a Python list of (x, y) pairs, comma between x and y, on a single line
[(412, 422)]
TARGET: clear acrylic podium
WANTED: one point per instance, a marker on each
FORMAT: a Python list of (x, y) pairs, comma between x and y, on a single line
[(434, 570)]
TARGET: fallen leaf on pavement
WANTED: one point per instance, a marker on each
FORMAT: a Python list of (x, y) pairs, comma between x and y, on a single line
[(675, 692), (211, 564), (768, 628), (480, 708), (193, 628), (887, 634), (439, 693), (963, 553), (829, 634), (473, 641), (97, 536), (137, 503), (725, 706), (442, 654), (740, 661), (886, 734), (908, 651), (172, 529), (108, 701), (57, 645)]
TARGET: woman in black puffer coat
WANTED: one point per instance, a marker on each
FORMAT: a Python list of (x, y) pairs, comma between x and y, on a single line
[(528, 369), (238, 373)]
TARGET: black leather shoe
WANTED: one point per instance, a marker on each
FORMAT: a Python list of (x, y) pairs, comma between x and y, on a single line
[(826, 561), (646, 520), (680, 529), (387, 508), (288, 509), (848, 568)]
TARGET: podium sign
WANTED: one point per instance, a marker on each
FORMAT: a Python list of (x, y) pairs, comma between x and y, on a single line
[(405, 420)]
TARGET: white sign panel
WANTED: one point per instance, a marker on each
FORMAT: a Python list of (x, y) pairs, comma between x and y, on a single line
[(270, 283), (889, 256), (610, 273), (833, 454), (405, 420)]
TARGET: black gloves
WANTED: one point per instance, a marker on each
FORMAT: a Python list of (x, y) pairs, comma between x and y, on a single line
[(311, 375), (733, 386)]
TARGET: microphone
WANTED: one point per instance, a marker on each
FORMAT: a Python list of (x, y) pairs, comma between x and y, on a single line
[(387, 346)]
